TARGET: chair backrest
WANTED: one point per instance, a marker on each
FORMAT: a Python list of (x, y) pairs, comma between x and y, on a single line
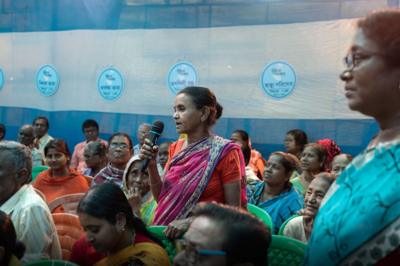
[(51, 263), (68, 202), (285, 251), (36, 170), (158, 232), (262, 215), (282, 228), (69, 230)]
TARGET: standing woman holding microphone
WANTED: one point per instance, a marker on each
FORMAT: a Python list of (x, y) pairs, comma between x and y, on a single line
[(202, 167)]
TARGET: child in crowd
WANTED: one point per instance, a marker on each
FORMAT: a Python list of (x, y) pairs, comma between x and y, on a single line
[(163, 154)]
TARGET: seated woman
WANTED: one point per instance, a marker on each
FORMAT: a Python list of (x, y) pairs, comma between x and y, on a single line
[(295, 140), (59, 179), (256, 162), (95, 158), (312, 162), (251, 177), (300, 227), (137, 190), (332, 149), (276, 194), (119, 152), (340, 163), (114, 236), (11, 250)]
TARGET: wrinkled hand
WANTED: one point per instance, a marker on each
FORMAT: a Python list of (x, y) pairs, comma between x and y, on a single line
[(177, 228), (148, 151), (304, 212), (135, 198)]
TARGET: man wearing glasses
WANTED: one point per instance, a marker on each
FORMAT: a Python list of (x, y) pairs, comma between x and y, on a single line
[(223, 235)]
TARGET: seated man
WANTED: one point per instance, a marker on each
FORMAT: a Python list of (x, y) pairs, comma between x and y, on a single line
[(29, 213), (222, 235), (41, 128), (90, 129), (26, 136), (141, 134)]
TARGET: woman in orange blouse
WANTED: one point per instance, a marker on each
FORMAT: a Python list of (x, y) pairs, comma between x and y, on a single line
[(59, 179)]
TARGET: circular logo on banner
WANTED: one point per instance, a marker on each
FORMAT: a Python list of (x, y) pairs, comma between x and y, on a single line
[(1, 79), (110, 84), (181, 75), (278, 79), (47, 80)]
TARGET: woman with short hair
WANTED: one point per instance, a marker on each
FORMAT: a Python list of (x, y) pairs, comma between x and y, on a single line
[(360, 223)]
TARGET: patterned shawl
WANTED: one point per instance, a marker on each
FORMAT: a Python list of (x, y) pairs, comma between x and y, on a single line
[(187, 177)]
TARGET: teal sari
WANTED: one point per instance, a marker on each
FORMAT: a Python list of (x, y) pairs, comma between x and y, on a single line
[(359, 224)]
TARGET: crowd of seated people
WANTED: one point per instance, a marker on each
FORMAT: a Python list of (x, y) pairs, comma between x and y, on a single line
[(200, 186)]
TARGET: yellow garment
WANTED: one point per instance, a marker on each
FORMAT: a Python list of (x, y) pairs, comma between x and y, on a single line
[(148, 253), (14, 261)]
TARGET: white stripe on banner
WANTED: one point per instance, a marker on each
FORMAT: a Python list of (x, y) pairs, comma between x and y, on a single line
[(229, 60)]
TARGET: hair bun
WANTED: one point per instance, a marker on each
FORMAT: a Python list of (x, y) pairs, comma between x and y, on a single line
[(219, 110)]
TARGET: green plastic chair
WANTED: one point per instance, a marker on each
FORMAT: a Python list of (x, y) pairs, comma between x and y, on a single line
[(36, 170), (285, 251), (158, 232), (282, 228), (262, 215), (51, 263)]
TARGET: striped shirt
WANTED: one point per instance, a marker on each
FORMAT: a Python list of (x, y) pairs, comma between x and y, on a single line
[(33, 224)]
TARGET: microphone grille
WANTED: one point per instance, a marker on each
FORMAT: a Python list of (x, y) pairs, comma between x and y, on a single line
[(158, 126)]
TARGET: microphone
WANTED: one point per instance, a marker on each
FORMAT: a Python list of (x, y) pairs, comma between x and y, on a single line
[(153, 135)]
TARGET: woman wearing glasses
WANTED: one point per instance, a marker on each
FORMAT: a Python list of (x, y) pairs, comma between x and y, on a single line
[(359, 224), (119, 152)]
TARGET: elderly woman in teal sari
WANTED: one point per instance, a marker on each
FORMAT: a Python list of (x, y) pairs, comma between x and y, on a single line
[(359, 222), (275, 194)]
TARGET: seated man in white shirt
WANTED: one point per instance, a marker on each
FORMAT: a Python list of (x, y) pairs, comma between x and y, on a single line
[(28, 211), (41, 128), (141, 134)]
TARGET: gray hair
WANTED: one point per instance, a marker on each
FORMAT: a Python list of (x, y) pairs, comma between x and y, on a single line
[(19, 154), (142, 125)]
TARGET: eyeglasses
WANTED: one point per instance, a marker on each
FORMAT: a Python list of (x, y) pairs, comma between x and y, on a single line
[(119, 145), (195, 255), (354, 59)]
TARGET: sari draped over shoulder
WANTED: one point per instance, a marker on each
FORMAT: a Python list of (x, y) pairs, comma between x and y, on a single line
[(188, 175), (109, 174), (148, 254)]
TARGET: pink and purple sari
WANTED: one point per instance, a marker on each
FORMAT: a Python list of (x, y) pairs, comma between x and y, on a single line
[(187, 177)]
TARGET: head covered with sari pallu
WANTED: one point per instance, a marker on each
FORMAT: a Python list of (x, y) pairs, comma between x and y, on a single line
[(188, 175)]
